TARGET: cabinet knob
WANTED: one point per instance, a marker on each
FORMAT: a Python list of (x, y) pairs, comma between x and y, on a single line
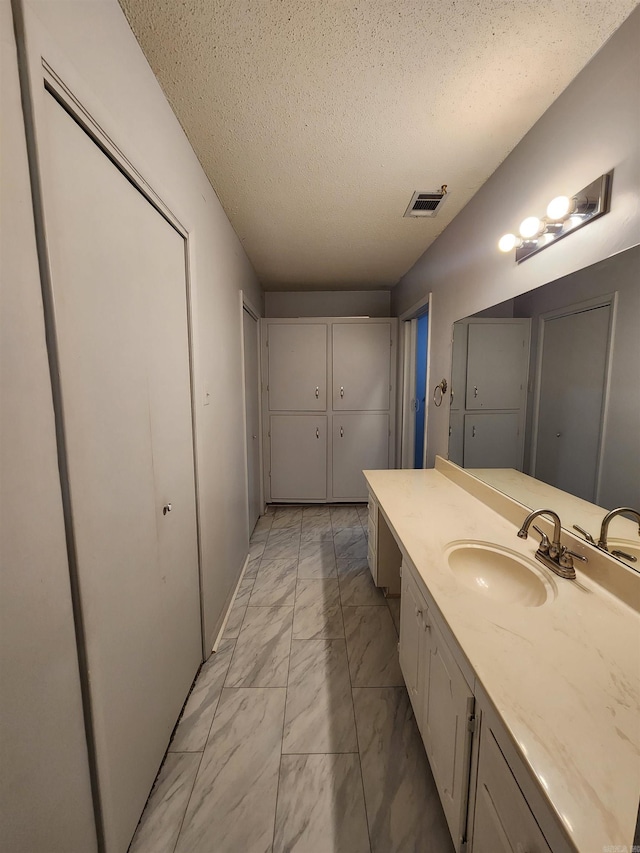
[(341, 432), (317, 391), (342, 391), (317, 432)]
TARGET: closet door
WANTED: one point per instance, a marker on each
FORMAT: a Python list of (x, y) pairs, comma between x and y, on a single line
[(361, 366), (360, 443), (298, 457), (297, 358), (118, 272)]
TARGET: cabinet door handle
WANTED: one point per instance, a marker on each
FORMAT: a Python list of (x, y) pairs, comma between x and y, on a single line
[(317, 391), (473, 432), (341, 432), (166, 508), (342, 391), (475, 390), (317, 432)]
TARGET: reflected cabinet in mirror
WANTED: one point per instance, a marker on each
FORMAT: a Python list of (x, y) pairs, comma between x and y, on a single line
[(545, 398)]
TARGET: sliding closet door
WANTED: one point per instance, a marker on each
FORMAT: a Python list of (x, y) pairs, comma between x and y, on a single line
[(118, 271)]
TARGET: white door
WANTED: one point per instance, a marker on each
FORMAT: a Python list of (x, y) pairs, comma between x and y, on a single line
[(492, 440), (252, 410), (572, 381), (361, 366), (497, 359), (297, 367), (298, 457), (448, 703), (118, 271), (360, 443)]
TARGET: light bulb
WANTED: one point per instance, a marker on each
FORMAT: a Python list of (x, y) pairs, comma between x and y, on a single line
[(561, 207), (531, 227), (508, 242)]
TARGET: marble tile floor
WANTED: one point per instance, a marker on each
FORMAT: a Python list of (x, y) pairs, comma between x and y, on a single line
[(298, 736)]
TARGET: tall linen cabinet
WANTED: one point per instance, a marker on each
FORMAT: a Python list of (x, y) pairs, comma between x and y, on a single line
[(328, 396)]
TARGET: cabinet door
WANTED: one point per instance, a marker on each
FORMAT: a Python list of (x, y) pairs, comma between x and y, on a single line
[(448, 703), (361, 366), (360, 442), (298, 457), (497, 360), (297, 373), (503, 819), (413, 612), (492, 440)]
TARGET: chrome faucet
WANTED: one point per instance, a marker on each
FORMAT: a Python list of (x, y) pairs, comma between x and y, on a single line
[(602, 541), (553, 555)]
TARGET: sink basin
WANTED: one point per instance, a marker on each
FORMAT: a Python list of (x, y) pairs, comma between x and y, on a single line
[(629, 547), (499, 574)]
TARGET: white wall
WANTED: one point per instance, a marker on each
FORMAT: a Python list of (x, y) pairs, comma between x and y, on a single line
[(45, 798), (325, 303), (98, 49), (591, 129)]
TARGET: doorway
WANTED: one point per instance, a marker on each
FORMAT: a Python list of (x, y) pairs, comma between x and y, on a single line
[(252, 412), (420, 391)]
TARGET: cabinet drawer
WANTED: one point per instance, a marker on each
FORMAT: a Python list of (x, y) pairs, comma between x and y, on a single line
[(503, 819)]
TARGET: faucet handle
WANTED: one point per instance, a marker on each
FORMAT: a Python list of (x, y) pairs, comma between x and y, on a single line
[(566, 557), (585, 533), (544, 545)]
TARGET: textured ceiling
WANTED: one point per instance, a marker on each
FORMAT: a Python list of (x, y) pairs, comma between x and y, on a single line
[(316, 120)]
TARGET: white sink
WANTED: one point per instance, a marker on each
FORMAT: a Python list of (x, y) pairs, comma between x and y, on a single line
[(499, 573)]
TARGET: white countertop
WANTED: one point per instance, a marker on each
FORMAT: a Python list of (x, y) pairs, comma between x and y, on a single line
[(564, 677)]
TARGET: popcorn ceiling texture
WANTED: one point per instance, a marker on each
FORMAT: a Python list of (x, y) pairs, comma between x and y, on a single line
[(315, 120)]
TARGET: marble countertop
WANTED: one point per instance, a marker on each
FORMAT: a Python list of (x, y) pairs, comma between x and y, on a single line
[(564, 677)]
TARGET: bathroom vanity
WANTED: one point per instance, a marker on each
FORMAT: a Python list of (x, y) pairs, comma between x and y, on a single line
[(525, 686)]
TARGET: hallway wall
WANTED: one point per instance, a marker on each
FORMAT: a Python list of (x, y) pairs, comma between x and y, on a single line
[(46, 802)]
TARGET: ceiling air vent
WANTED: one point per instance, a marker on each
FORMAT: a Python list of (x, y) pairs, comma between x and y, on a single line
[(426, 203)]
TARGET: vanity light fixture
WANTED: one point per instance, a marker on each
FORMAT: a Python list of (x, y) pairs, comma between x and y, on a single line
[(564, 215)]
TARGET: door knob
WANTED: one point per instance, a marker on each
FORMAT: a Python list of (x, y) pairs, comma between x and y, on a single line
[(166, 508)]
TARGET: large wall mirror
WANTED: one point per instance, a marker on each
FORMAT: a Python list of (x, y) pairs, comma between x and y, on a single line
[(545, 392)]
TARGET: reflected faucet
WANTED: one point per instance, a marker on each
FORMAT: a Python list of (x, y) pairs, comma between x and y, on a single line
[(602, 542), (553, 555)]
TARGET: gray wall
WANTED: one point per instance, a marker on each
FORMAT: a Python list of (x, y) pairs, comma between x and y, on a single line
[(620, 464), (324, 303), (45, 799), (45, 795), (590, 129)]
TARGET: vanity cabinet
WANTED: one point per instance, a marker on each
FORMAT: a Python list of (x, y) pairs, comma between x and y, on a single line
[(383, 555), (442, 701), (503, 821)]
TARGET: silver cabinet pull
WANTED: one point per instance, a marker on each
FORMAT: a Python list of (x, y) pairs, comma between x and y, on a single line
[(317, 391), (341, 391), (473, 432), (317, 432), (475, 390), (341, 432), (166, 508)]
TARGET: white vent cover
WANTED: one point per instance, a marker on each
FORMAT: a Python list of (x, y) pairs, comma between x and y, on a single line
[(425, 203)]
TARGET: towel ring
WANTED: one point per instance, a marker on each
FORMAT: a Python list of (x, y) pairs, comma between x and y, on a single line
[(442, 388)]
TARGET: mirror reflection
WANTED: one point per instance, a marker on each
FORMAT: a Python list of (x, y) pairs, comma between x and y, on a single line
[(545, 396)]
